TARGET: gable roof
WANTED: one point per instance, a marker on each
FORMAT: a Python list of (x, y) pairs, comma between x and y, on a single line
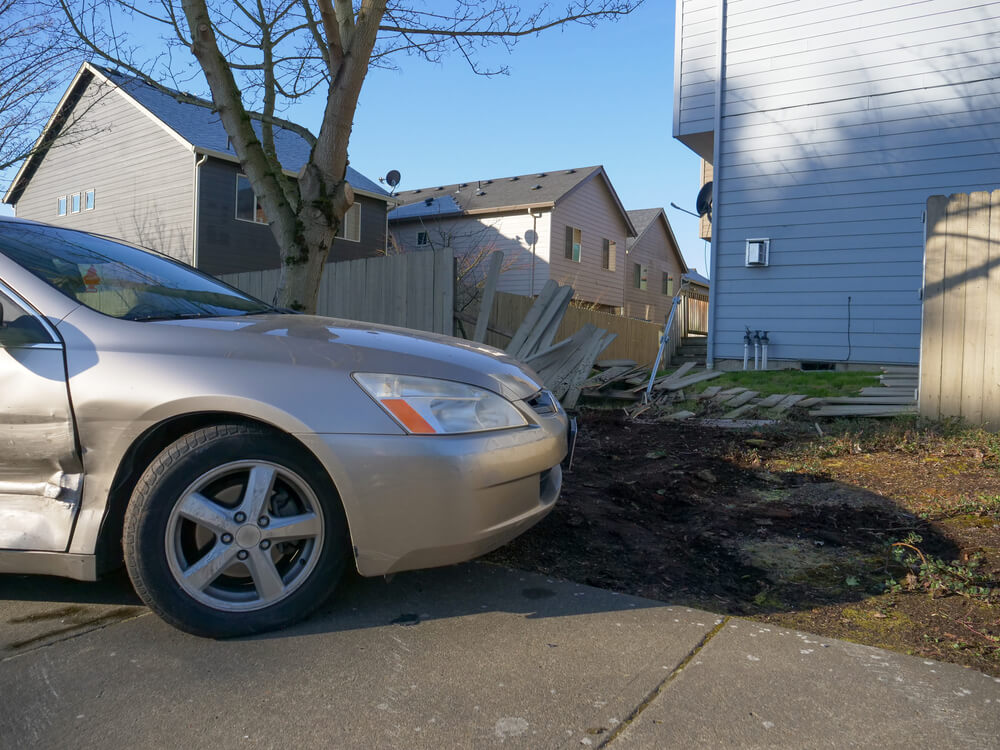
[(496, 195), (644, 218), (195, 125)]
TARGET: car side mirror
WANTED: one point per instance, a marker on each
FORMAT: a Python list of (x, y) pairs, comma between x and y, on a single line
[(22, 331)]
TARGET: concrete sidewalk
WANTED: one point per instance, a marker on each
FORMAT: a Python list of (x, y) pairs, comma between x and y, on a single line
[(465, 657)]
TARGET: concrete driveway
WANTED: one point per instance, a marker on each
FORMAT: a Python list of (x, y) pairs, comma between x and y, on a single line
[(464, 657)]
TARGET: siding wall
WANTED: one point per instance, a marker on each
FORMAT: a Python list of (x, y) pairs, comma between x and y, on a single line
[(591, 208), (654, 250), (695, 90), (839, 120), (229, 245), (142, 176), (471, 236)]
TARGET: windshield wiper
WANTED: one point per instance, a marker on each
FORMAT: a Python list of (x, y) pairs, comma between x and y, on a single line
[(176, 316)]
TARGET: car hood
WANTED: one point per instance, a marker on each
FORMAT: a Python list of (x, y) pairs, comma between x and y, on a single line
[(352, 346)]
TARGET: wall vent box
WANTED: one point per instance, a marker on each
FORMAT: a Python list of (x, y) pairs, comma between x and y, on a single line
[(757, 252)]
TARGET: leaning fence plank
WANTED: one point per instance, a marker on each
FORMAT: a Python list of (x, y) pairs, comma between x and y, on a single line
[(489, 291), (975, 282), (932, 328), (531, 319)]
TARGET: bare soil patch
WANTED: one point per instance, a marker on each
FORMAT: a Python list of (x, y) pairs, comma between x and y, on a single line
[(788, 527)]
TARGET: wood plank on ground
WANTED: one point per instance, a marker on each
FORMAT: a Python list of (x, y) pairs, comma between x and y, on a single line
[(788, 402), (740, 411), (680, 415), (681, 371), (676, 385), (608, 376), (773, 400), (723, 396), (741, 398), (809, 402), (708, 392), (868, 400), (883, 391), (609, 363), (862, 410)]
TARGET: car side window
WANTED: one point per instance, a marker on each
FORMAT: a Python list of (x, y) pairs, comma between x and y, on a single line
[(18, 326)]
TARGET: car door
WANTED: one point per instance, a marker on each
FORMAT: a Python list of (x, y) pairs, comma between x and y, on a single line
[(40, 469)]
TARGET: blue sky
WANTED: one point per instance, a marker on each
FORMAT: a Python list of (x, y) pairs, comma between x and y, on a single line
[(575, 96)]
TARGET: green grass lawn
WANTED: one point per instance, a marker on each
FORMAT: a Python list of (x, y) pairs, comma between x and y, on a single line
[(794, 381)]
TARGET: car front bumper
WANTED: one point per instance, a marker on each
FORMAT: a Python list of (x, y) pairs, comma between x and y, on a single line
[(423, 501)]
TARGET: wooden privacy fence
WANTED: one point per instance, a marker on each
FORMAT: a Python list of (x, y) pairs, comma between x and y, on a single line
[(636, 339), (960, 336), (413, 290)]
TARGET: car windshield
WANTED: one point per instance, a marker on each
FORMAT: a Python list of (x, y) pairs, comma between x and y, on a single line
[(119, 280)]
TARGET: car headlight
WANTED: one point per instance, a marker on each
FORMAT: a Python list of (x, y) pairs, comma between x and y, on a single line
[(428, 406)]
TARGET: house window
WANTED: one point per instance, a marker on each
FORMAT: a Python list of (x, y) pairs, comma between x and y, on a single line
[(248, 207), (640, 276), (609, 252), (61, 205), (422, 239), (668, 284), (574, 243), (350, 227), (75, 203), (88, 200)]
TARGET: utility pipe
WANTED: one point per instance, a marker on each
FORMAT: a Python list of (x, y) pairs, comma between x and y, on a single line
[(746, 349), (763, 344), (756, 350)]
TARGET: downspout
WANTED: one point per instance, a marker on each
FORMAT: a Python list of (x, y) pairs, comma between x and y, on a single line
[(197, 202), (713, 290)]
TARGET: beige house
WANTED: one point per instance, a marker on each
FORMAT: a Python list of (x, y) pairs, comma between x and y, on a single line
[(654, 267), (568, 225)]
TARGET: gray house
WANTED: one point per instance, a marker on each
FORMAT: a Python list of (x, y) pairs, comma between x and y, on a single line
[(122, 158), (654, 266), (568, 225), (828, 125)]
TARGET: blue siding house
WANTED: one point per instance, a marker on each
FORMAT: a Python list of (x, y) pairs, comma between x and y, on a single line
[(828, 124)]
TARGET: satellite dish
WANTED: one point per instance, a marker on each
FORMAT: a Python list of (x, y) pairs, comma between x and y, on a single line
[(703, 203), (393, 177)]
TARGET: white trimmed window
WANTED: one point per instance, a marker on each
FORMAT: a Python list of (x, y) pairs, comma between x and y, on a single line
[(61, 205), (350, 227), (640, 276), (608, 255), (75, 203), (422, 239), (574, 244), (248, 207), (89, 198)]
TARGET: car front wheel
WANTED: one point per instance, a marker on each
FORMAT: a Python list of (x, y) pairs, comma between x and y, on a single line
[(234, 530)]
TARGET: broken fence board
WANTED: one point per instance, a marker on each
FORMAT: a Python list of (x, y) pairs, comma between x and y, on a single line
[(862, 410), (531, 319), (489, 291), (773, 400), (741, 398), (609, 363), (676, 385), (873, 400), (709, 392), (739, 412), (788, 402)]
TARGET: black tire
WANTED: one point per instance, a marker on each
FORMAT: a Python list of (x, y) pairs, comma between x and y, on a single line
[(159, 538)]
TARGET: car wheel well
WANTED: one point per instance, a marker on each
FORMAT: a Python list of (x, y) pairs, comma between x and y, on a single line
[(141, 453)]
